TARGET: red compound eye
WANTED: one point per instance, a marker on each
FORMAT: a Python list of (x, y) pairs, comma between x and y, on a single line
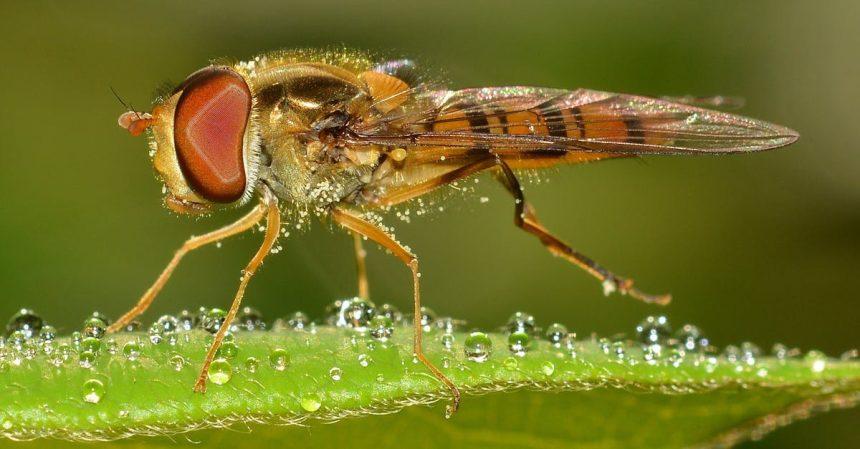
[(209, 129)]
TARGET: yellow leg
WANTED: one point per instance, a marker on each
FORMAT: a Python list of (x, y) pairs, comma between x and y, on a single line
[(241, 225), (273, 229), (358, 225)]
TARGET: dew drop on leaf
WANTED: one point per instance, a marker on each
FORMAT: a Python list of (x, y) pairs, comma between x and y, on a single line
[(220, 371), (478, 347), (93, 391), (279, 359)]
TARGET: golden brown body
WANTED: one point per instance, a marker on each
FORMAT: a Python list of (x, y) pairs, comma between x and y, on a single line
[(339, 135)]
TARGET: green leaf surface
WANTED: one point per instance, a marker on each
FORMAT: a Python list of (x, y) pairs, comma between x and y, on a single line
[(336, 381)]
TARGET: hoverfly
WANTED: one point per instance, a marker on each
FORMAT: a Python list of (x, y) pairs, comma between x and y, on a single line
[(340, 135)]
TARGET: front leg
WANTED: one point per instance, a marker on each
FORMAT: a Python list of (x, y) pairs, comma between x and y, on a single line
[(273, 229), (243, 224), (358, 225)]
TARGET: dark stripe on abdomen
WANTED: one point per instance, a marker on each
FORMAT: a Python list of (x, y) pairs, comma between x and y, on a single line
[(635, 133)]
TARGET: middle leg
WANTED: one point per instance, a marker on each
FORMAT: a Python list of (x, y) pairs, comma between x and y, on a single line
[(360, 226)]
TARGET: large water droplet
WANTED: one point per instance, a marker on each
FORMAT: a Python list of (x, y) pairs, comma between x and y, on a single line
[(335, 373), (169, 324), (393, 313), (212, 319), (177, 362), (279, 359), (93, 391), (381, 328), (220, 371), (131, 350), (311, 402), (228, 349), (428, 319), (26, 321), (519, 343), (447, 341), (95, 327), (355, 313), (91, 344), (449, 325), (691, 338), (248, 319), (653, 330), (556, 333), (478, 347), (521, 322), (547, 368), (86, 359), (186, 321), (252, 364)]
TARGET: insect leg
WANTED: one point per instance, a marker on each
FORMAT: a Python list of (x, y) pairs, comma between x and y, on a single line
[(361, 267), (273, 228), (241, 225), (525, 219), (359, 225)]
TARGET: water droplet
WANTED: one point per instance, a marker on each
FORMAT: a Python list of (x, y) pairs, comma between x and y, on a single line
[(279, 359), (817, 360), (93, 391), (555, 334), (521, 322), (365, 360), (94, 327), (77, 337), (478, 347), (619, 349), (26, 321), (131, 350), (311, 402), (732, 354), (449, 325), (428, 317), (510, 363), (691, 338), (381, 328), (653, 330), (849, 355), (252, 364), (156, 333), (111, 346), (47, 334), (298, 321), (335, 373), (248, 319), (749, 353), (393, 313), (86, 359), (212, 319), (220, 371), (547, 368), (447, 341), (185, 321), (169, 324), (133, 326), (177, 362), (355, 313), (91, 344), (519, 343), (228, 349)]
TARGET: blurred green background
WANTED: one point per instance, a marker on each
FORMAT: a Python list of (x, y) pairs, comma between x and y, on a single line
[(761, 247)]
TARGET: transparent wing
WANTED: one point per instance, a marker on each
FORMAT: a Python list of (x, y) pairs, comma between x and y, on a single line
[(536, 120)]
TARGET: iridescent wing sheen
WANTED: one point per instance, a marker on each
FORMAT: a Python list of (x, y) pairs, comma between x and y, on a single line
[(529, 119), (451, 134)]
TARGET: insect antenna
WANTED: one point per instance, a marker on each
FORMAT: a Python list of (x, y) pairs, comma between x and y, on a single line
[(127, 106)]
